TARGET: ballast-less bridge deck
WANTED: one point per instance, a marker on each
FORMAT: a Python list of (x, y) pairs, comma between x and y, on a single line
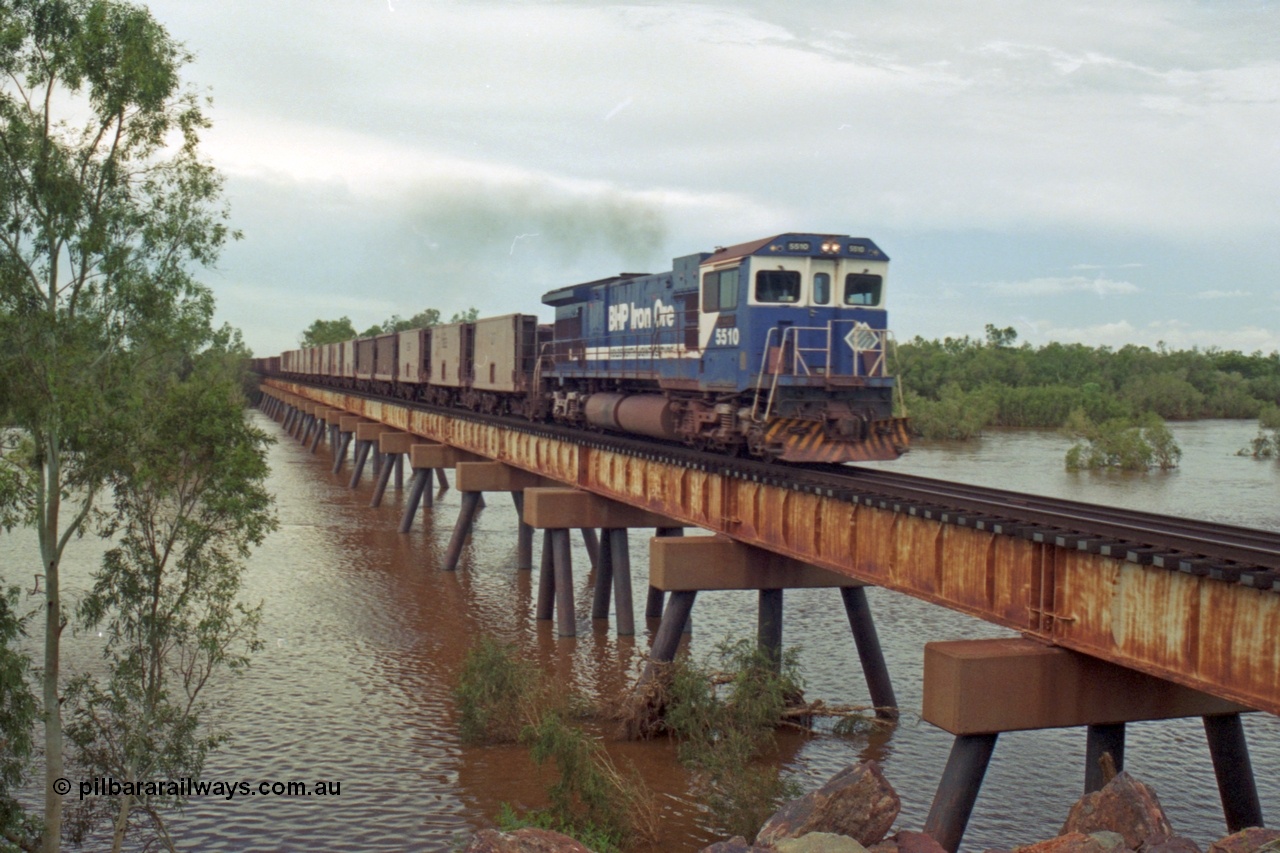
[(1178, 615)]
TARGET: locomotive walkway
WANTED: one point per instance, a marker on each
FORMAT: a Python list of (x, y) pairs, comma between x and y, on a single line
[(1124, 616)]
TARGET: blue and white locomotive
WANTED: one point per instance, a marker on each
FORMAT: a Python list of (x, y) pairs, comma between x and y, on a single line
[(774, 348)]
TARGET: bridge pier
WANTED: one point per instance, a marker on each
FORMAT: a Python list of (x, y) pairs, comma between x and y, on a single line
[(308, 422), (687, 566), (976, 689), (474, 479), (367, 434), (391, 447), (346, 431), (320, 427), (562, 509)]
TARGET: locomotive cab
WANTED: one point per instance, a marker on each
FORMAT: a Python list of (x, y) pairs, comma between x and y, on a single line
[(799, 319)]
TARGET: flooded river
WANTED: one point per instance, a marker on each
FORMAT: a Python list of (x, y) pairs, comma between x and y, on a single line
[(365, 636)]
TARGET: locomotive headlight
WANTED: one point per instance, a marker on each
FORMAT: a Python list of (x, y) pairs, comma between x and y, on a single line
[(830, 248)]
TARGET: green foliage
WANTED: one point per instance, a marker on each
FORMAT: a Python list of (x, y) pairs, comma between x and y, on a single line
[(187, 507), (956, 414), (1269, 417), (592, 837), (17, 717), (591, 795), (336, 331), (327, 332), (1122, 444), (498, 694), (1266, 444), (502, 698), (109, 210), (723, 731), (950, 384)]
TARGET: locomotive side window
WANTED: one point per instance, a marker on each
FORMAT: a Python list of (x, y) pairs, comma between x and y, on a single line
[(720, 291), (862, 289), (821, 288), (778, 286)]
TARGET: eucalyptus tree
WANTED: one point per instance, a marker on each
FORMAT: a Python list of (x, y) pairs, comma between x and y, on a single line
[(186, 507), (106, 210)]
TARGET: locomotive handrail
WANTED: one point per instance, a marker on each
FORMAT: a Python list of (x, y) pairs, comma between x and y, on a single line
[(879, 340)]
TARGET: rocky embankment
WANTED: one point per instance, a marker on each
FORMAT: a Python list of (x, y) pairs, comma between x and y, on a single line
[(855, 811)]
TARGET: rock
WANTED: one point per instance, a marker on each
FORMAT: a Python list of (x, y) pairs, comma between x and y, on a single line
[(737, 844), (858, 802), (1169, 844), (527, 840), (1125, 806), (916, 842), (907, 841), (1112, 842), (819, 842), (1247, 841), (1071, 842)]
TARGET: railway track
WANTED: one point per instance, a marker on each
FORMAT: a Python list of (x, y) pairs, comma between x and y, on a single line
[(1220, 551)]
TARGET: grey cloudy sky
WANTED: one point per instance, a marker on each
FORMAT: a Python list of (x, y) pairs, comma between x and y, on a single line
[(1082, 171)]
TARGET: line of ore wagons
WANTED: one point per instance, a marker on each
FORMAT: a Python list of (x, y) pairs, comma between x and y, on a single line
[(495, 354)]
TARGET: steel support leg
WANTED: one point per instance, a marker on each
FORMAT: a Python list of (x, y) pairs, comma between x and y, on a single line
[(769, 626), (546, 580), (653, 604), (604, 578), (592, 543), (288, 418), (869, 652), (667, 640), (1231, 764), (385, 474), (524, 535), (399, 464), (620, 557), (1102, 740), (362, 455), (418, 485), (315, 442), (443, 478), (308, 427), (467, 515), (566, 624), (377, 459), (958, 790), (340, 456)]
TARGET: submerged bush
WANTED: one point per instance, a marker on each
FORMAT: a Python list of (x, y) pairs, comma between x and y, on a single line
[(498, 694), (502, 698), (956, 415), (1121, 443), (725, 718), (1266, 444)]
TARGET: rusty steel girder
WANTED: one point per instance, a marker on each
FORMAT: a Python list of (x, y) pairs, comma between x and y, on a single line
[(1204, 633)]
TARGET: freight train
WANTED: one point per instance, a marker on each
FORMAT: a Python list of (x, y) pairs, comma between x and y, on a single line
[(774, 349)]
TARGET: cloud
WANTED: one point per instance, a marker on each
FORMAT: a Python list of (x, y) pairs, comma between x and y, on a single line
[(1174, 334), (1039, 287), (1222, 294)]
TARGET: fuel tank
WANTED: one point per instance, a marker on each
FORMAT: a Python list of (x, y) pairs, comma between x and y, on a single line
[(642, 414)]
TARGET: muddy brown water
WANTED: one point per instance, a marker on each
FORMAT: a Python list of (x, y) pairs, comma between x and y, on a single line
[(365, 637)]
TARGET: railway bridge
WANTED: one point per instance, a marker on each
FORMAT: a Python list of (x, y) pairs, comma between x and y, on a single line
[(1124, 616)]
